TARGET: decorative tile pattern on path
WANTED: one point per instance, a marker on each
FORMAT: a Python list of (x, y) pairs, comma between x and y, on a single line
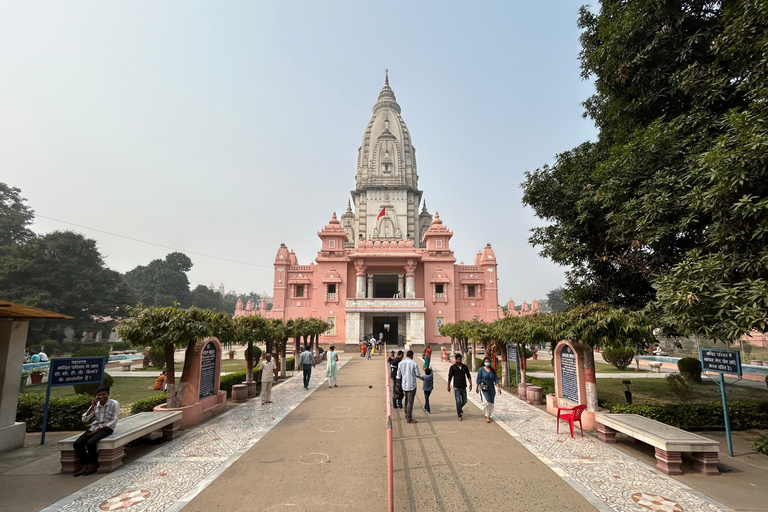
[(171, 476), (606, 477)]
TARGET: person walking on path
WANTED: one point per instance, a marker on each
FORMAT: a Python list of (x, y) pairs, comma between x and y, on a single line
[(397, 403), (307, 362), (331, 368), (407, 373), (459, 373), (369, 345), (427, 386), (106, 412), (363, 347), (427, 356), (267, 378), (486, 378)]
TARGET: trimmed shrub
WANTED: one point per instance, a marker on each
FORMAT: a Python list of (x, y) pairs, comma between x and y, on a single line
[(700, 416), (64, 413), (761, 444), (91, 352), (148, 404), (90, 389), (290, 364), (51, 346), (680, 387), (121, 345), (256, 354), (690, 368), (227, 381), (619, 357), (157, 357)]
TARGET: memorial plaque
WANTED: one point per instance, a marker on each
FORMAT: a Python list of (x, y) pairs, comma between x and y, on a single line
[(511, 352), (76, 370), (721, 361), (208, 370), (568, 377)]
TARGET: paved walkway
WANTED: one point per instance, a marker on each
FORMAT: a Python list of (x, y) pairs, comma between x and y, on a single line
[(329, 453), (171, 476), (609, 479)]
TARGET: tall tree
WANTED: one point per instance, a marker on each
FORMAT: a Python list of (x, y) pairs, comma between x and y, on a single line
[(64, 272), (556, 300), (671, 201), (162, 282), (15, 216)]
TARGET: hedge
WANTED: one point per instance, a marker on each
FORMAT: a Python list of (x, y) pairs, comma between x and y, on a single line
[(148, 404), (91, 352), (64, 413), (744, 415), (690, 368)]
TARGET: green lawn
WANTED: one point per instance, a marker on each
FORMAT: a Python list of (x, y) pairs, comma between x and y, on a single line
[(125, 390), (546, 366), (227, 365), (656, 391)]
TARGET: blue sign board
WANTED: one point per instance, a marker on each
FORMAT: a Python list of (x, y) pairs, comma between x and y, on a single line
[(721, 361), (76, 370), (68, 371), (511, 352)]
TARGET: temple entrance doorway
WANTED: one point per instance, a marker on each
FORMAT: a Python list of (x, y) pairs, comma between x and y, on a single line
[(384, 286), (386, 325)]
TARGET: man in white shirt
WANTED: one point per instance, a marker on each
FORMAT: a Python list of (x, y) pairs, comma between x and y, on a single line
[(43, 356), (267, 378), (106, 412), (407, 373)]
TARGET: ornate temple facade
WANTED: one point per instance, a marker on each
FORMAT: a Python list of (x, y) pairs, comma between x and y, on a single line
[(385, 267)]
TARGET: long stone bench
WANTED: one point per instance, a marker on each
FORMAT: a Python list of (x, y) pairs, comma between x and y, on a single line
[(669, 442), (111, 448)]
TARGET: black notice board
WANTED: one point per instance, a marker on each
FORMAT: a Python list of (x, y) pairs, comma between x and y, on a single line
[(208, 370), (721, 361), (568, 377)]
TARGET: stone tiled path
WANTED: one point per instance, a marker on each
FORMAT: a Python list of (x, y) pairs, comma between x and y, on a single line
[(169, 477), (609, 479)]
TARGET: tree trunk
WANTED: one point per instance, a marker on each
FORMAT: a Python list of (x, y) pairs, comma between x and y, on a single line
[(474, 356), (282, 363), (504, 369), (453, 347), (521, 359), (171, 378), (589, 378), (249, 371)]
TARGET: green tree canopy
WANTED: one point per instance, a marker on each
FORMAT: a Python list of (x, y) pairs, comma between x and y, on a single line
[(15, 216), (162, 282), (671, 201)]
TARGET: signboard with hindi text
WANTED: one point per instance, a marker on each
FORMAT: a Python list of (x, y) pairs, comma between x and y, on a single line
[(720, 361), (568, 375), (512, 352), (208, 370), (69, 371)]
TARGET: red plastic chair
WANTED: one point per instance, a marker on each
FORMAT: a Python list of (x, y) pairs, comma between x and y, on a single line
[(571, 417)]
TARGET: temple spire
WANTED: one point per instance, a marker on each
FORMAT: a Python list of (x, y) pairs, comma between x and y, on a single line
[(386, 77)]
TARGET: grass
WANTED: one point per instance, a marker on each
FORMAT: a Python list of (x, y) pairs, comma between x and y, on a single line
[(227, 365), (656, 391), (546, 366), (125, 390)]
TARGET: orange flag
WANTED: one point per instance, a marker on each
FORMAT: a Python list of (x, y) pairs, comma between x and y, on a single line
[(381, 213)]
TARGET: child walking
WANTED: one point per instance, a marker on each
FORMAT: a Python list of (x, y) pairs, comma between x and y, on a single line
[(428, 381)]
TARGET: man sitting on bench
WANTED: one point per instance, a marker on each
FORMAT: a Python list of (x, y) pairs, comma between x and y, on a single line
[(106, 412)]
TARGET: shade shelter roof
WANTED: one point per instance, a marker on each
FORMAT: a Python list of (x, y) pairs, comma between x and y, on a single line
[(22, 312)]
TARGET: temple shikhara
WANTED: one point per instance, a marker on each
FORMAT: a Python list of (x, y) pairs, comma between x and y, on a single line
[(386, 266)]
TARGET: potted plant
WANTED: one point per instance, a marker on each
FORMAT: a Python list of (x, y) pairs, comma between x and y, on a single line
[(36, 374), (534, 354), (145, 362), (232, 354)]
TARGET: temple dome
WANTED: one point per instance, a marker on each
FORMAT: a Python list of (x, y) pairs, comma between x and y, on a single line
[(387, 156)]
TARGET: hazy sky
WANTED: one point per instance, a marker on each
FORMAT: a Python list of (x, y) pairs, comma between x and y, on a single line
[(226, 128)]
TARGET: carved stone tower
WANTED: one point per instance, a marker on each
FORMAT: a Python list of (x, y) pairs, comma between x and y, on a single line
[(386, 196)]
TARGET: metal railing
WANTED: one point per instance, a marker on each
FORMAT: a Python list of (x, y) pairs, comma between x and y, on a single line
[(390, 449)]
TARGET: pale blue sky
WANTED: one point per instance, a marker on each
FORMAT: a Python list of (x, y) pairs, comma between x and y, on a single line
[(227, 128)]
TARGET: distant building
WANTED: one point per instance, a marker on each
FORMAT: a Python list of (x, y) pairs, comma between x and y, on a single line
[(385, 267)]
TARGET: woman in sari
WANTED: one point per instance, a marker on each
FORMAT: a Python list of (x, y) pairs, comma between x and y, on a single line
[(331, 367)]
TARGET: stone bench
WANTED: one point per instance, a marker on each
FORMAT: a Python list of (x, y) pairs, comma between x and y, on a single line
[(111, 448), (669, 442)]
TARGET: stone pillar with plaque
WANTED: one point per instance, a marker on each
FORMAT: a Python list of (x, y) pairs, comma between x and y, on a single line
[(202, 398), (570, 382)]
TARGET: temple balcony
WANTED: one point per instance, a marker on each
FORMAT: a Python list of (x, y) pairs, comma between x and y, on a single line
[(385, 305)]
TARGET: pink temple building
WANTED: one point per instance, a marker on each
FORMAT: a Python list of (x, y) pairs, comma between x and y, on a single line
[(384, 267)]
